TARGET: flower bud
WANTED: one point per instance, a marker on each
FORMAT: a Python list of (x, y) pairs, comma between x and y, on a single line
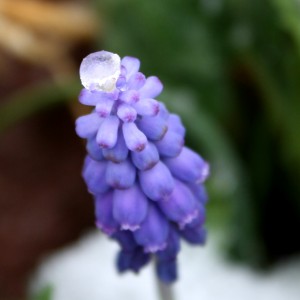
[(153, 232), (88, 125), (119, 152), (134, 138), (152, 88), (195, 235), (188, 166), (130, 207), (120, 175), (104, 215), (153, 127), (147, 158), (93, 174), (181, 206), (93, 149), (157, 183), (108, 132), (133, 260)]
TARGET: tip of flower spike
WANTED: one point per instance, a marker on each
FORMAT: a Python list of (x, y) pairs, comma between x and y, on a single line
[(100, 71)]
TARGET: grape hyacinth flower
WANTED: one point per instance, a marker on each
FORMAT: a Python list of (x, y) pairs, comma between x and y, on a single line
[(147, 186)]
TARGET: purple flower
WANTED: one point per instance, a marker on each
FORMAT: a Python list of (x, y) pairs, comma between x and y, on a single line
[(148, 187)]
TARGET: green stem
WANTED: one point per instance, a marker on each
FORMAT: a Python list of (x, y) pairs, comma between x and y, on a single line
[(165, 291)]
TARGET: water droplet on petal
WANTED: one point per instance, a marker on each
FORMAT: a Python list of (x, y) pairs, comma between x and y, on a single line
[(100, 71)]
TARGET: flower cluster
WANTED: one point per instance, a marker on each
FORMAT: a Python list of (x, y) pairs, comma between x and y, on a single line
[(147, 186)]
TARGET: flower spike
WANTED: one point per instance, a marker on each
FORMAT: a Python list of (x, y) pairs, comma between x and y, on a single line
[(147, 186)]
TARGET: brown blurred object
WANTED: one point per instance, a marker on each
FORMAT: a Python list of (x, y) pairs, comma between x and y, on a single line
[(44, 33), (43, 201), (57, 20)]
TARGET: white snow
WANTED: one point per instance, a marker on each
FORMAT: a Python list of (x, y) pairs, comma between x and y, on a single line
[(86, 270)]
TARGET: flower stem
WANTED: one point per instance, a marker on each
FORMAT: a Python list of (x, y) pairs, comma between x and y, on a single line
[(165, 290)]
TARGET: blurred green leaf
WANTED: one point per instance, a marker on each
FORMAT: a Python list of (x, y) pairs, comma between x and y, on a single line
[(289, 12)]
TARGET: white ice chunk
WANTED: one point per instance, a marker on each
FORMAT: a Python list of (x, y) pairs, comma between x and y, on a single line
[(100, 70)]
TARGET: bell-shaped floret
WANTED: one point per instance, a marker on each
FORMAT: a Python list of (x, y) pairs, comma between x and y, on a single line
[(153, 127), (125, 239), (133, 260), (134, 138), (188, 166), (181, 206), (130, 96), (147, 158), (130, 207), (171, 144), (104, 107), (172, 248), (104, 214), (88, 125), (108, 132), (131, 64), (147, 107), (126, 113), (153, 232), (175, 124), (201, 216), (94, 175), (152, 88), (199, 191), (157, 183), (195, 235), (136, 81), (121, 83), (93, 149), (120, 175), (87, 97), (119, 152), (163, 112)]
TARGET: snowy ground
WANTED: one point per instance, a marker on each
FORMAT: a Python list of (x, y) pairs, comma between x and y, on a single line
[(86, 271)]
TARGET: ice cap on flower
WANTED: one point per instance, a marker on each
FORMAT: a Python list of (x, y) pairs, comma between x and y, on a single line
[(100, 71), (148, 187)]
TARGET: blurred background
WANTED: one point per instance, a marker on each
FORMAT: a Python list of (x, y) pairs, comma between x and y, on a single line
[(230, 68)]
